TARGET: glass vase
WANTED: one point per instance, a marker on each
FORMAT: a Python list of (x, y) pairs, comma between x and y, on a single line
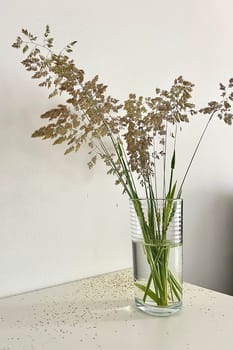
[(157, 237)]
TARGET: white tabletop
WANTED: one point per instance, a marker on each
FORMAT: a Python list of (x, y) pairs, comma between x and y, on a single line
[(99, 313)]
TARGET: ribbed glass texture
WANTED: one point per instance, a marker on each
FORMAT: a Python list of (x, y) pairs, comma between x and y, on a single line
[(157, 237)]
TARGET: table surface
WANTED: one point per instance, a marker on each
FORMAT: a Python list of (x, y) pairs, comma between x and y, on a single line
[(99, 313)]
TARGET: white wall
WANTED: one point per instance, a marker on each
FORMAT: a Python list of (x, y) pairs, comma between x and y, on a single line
[(61, 222)]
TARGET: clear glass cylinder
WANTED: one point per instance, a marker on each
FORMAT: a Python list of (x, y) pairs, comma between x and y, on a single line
[(157, 239)]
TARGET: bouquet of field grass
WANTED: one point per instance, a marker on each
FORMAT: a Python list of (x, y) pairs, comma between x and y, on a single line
[(136, 139)]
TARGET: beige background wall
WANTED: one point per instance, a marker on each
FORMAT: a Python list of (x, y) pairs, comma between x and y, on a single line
[(61, 222)]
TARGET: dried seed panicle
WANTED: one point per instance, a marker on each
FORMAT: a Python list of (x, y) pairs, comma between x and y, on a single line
[(89, 115)]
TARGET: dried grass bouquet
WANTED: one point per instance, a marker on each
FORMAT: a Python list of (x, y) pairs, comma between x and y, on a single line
[(139, 130)]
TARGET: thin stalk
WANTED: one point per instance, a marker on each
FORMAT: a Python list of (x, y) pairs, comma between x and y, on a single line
[(177, 294), (164, 268), (126, 170), (156, 209), (172, 163), (150, 293), (35, 43), (175, 282), (150, 277), (155, 172), (149, 213), (131, 176), (194, 154), (155, 275), (151, 205), (164, 163), (102, 145), (121, 154), (170, 285)]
